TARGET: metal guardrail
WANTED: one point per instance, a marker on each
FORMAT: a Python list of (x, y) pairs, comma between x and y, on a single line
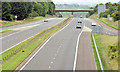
[(97, 53)]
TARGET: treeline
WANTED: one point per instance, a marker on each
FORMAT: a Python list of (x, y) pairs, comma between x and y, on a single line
[(26, 9), (112, 9)]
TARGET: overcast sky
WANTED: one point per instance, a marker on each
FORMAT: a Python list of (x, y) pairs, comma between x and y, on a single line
[(83, 1)]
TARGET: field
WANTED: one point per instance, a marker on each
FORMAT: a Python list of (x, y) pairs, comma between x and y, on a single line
[(108, 49)]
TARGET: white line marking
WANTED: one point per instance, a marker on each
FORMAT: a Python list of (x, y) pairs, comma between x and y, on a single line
[(54, 58), (24, 40), (43, 46), (98, 54), (51, 62), (49, 67), (77, 49)]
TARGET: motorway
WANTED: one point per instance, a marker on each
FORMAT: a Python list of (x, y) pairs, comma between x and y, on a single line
[(18, 37), (68, 49), (60, 52)]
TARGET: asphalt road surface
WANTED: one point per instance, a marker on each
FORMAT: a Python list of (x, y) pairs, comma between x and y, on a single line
[(85, 56), (59, 52), (30, 24), (99, 28), (10, 41)]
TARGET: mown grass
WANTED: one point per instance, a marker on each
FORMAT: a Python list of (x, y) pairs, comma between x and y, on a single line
[(13, 62), (10, 23), (112, 24), (104, 43)]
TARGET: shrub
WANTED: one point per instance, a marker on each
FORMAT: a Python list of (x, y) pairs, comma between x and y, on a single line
[(104, 14), (112, 51), (33, 14)]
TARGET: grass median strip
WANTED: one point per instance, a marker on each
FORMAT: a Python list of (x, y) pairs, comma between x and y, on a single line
[(15, 60)]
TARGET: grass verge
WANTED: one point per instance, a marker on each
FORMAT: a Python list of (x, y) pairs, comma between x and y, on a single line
[(95, 55), (13, 62), (5, 31), (108, 50), (11, 23), (110, 23)]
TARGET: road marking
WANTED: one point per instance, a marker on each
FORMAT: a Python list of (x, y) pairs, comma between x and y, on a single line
[(98, 54), (43, 46), (24, 40), (77, 49), (49, 67), (51, 62), (54, 58), (87, 29)]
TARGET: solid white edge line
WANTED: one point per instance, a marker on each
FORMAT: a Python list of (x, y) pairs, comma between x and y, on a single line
[(98, 54), (25, 40), (76, 52), (42, 47)]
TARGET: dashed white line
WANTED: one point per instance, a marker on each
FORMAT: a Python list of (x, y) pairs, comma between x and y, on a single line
[(42, 47), (26, 39), (77, 49)]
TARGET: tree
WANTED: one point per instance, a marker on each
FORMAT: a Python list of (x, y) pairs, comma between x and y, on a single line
[(6, 10)]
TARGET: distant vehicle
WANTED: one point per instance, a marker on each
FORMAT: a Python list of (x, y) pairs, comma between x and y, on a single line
[(81, 17), (93, 24), (46, 20), (78, 25), (79, 21)]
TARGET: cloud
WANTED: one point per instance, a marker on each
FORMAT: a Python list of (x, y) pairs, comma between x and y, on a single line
[(84, 1)]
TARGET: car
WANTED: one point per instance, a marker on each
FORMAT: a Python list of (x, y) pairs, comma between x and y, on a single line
[(46, 20), (81, 17), (93, 24), (78, 25), (79, 21)]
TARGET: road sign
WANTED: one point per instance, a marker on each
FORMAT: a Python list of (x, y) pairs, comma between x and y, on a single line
[(101, 8), (16, 16)]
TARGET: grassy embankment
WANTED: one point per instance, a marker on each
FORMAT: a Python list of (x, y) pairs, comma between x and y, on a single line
[(106, 21), (10, 23), (14, 61), (108, 50)]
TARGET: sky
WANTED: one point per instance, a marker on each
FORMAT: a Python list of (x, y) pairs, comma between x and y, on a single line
[(83, 1)]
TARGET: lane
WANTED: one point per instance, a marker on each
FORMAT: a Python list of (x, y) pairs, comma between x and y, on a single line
[(12, 40), (99, 29), (85, 56), (59, 52), (35, 23)]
